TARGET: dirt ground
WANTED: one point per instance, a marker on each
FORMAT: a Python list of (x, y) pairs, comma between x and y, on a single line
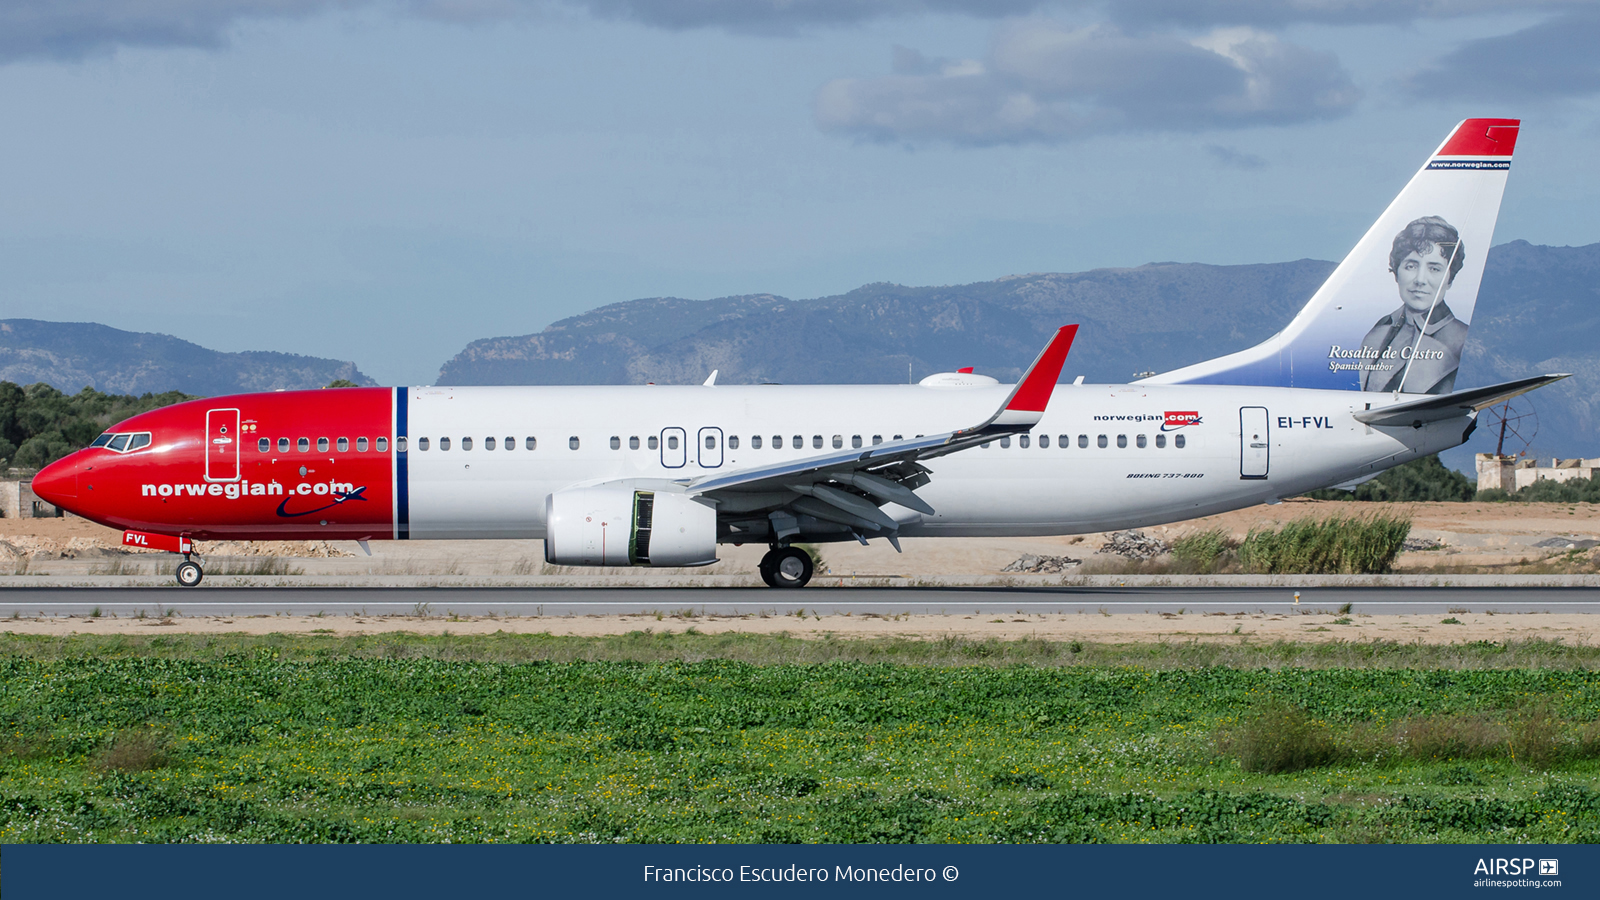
[(1471, 534), (1574, 629)]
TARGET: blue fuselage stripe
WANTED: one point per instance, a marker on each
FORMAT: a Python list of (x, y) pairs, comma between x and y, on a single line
[(402, 486)]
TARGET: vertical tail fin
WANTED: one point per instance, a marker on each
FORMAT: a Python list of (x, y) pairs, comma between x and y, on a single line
[(1393, 316)]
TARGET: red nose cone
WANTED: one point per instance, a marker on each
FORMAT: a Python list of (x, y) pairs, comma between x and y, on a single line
[(57, 483)]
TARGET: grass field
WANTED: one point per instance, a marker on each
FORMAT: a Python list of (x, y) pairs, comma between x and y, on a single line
[(736, 738)]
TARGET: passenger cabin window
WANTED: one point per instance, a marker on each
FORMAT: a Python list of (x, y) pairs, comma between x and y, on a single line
[(898, 437), (855, 440), (653, 442), (672, 441), (1064, 441), (755, 442), (572, 442), (283, 445), (343, 444), (466, 443), (422, 443), (1122, 440), (1005, 442), (733, 442), (1139, 441), (616, 442), (511, 443), (531, 443), (399, 444), (1044, 441), (488, 443), (303, 445), (1023, 441), (633, 442), (1101, 441), (798, 442), (711, 442), (1161, 441), (1177, 441), (877, 439), (361, 445), (444, 443), (322, 445), (816, 442), (264, 445)]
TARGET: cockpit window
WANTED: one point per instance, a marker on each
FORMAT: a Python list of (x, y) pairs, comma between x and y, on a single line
[(123, 443)]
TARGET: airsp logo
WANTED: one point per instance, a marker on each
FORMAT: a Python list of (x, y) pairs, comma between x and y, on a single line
[(1515, 867)]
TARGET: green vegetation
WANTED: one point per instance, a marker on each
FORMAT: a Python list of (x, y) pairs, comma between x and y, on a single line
[(1358, 545), (1204, 550), (1352, 545), (342, 383), (39, 424), (1421, 479), (1547, 491), (641, 737)]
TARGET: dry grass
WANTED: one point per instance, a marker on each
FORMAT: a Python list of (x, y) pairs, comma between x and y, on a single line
[(135, 750), (252, 565), (1280, 737)]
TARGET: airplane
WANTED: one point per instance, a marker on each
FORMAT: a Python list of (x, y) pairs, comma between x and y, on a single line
[(1361, 380)]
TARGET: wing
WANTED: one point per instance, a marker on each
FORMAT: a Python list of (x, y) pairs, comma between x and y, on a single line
[(847, 488), (1451, 406)]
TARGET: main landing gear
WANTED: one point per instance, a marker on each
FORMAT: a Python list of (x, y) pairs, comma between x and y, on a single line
[(786, 567), (189, 572)]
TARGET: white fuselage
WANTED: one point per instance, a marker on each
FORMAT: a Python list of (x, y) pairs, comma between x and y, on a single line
[(1311, 439)]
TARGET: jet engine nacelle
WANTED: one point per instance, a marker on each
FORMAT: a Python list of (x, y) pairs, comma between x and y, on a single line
[(617, 526)]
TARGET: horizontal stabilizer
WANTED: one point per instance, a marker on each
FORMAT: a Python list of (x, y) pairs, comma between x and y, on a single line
[(1450, 406)]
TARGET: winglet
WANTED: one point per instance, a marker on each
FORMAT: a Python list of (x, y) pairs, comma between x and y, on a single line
[(1032, 394)]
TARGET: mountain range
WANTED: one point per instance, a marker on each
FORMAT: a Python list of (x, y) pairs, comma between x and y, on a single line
[(1538, 311), (73, 355)]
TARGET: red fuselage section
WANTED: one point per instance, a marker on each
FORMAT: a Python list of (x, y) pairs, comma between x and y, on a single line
[(284, 465)]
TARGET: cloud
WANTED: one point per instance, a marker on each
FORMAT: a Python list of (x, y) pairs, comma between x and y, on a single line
[(73, 29), (1554, 59), (1234, 158), (1046, 83), (1278, 13), (789, 15)]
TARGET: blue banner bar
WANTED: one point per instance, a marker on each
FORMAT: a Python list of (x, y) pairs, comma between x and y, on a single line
[(51, 872)]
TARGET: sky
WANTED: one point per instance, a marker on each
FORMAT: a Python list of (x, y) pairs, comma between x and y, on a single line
[(388, 181)]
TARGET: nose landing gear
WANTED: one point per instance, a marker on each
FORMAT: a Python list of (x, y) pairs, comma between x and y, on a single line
[(189, 572), (786, 567)]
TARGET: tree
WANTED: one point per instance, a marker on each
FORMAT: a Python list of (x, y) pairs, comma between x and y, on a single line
[(1418, 480), (39, 424)]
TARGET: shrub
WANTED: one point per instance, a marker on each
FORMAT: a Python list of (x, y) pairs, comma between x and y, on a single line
[(1450, 737), (1334, 546), (1203, 550), (135, 750), (1578, 490), (1279, 737), (1420, 479)]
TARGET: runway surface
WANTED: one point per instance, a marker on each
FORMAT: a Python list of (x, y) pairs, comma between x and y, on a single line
[(818, 601)]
